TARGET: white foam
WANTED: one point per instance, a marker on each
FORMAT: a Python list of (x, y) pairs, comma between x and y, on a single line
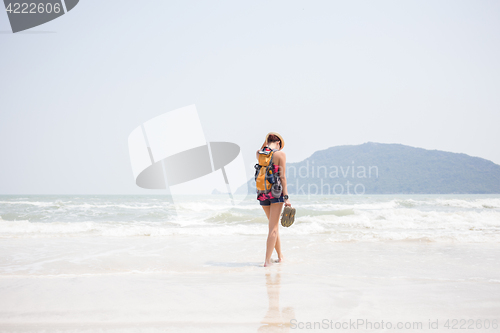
[(461, 219), (34, 203), (339, 204), (474, 203)]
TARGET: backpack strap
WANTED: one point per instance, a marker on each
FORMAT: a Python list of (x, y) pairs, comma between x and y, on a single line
[(270, 166)]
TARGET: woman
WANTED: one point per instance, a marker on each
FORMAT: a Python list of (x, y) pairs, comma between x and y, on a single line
[(272, 207)]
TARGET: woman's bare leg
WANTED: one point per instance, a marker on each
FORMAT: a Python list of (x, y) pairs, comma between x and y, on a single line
[(267, 209), (278, 242), (274, 217), (278, 248)]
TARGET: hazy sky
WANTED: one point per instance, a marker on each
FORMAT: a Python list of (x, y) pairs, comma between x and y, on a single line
[(321, 73)]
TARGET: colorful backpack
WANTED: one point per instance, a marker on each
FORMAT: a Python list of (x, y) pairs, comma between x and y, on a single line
[(267, 179)]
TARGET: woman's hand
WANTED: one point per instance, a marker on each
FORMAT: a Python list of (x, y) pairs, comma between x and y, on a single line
[(288, 203)]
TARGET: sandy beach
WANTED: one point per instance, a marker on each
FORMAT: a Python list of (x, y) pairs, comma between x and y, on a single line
[(192, 289)]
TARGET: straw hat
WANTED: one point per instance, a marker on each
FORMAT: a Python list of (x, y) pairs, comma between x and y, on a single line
[(279, 136)]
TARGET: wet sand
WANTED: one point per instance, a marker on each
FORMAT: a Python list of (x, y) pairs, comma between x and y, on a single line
[(218, 284)]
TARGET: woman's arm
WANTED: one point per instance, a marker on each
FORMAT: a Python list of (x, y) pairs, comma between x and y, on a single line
[(282, 174)]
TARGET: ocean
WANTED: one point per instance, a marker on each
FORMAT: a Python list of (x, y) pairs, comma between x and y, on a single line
[(428, 218)]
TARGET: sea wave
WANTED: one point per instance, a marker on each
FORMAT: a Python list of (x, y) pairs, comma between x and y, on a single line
[(341, 204), (343, 218), (353, 225), (475, 203), (85, 205)]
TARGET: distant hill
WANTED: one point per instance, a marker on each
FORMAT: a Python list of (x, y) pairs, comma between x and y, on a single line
[(377, 168)]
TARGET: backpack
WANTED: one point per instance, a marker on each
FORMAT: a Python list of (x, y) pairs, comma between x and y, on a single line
[(267, 180)]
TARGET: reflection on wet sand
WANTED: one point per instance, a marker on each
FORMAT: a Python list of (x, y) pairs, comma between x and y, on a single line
[(275, 320)]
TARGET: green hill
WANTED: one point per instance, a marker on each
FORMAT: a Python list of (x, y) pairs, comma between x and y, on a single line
[(377, 168)]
